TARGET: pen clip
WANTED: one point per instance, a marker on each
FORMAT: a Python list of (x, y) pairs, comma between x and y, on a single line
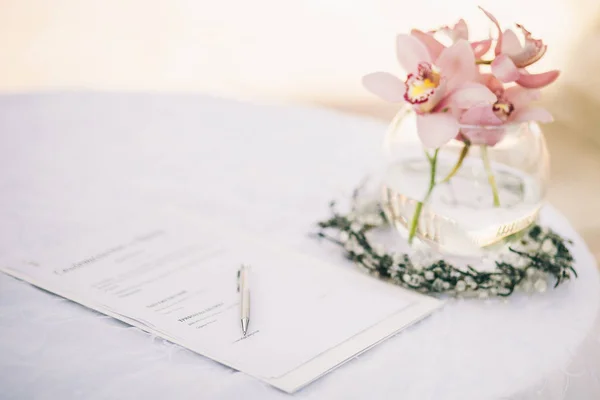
[(239, 276)]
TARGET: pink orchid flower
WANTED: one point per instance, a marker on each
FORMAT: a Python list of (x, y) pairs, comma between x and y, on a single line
[(512, 57), (513, 105), (436, 87), (460, 31)]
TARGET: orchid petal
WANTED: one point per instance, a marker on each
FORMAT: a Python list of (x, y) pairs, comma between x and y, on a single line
[(504, 69), (481, 47), (460, 30), (495, 21), (530, 52), (457, 64), (480, 115), (511, 44), (491, 82), (484, 136), (535, 81), (520, 97), (410, 52), (436, 129), (470, 95), (386, 86), (433, 46), (482, 121), (532, 114)]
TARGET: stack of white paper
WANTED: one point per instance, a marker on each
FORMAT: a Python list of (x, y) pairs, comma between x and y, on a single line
[(176, 278)]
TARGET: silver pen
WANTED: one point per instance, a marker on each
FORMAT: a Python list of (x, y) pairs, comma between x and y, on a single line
[(244, 289)]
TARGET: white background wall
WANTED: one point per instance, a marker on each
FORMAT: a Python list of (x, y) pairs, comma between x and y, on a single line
[(283, 49)]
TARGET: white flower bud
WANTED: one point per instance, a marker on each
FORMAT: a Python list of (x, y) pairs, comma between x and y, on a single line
[(540, 285), (350, 245), (344, 236), (521, 262), (548, 247), (526, 286), (355, 227), (376, 220)]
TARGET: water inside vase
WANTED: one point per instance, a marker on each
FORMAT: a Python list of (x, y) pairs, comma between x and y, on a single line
[(460, 217)]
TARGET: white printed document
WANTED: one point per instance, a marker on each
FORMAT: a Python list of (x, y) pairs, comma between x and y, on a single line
[(176, 277)]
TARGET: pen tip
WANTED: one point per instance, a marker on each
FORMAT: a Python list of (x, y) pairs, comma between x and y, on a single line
[(245, 322)]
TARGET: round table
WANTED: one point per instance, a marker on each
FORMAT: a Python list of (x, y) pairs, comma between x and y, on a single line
[(70, 158)]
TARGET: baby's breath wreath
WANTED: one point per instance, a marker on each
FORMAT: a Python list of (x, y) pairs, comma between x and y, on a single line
[(539, 255)]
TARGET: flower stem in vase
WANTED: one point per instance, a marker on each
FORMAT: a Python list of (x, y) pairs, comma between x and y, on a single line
[(490, 175), (414, 223), (461, 158)]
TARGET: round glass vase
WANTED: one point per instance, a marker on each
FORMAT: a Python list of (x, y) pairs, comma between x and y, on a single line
[(471, 196)]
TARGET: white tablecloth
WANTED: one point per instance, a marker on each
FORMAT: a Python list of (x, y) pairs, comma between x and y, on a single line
[(68, 159)]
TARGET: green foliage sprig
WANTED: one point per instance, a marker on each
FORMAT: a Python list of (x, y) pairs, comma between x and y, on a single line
[(539, 255)]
